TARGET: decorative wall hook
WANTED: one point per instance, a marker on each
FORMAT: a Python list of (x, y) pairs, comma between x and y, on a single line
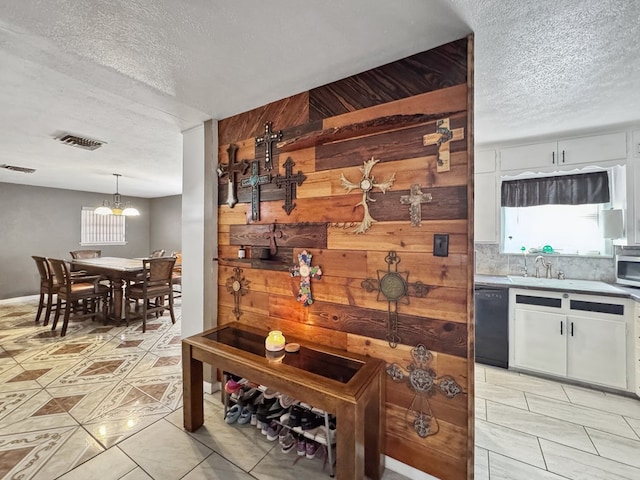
[(237, 286), (422, 379), (394, 287), (306, 272), (441, 138), (366, 184)]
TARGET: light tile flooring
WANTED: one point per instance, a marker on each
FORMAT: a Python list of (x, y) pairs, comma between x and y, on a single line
[(530, 428), (105, 402)]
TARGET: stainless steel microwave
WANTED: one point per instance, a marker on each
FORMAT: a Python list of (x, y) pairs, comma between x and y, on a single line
[(628, 270)]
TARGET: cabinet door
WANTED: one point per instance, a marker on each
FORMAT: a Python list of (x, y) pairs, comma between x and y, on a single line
[(540, 341), (597, 351), (592, 150), (485, 208), (527, 157)]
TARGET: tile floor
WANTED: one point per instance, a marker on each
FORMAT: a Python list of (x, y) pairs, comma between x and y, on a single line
[(105, 402), (530, 428)]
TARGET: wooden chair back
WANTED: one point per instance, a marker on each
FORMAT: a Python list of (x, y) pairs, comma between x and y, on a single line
[(78, 254)]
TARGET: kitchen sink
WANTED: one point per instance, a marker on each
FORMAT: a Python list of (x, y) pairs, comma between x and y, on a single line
[(568, 284)]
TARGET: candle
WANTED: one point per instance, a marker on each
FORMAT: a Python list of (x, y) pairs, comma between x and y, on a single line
[(274, 341)]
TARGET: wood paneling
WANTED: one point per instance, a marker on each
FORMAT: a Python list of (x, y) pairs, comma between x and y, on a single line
[(424, 72), (365, 110)]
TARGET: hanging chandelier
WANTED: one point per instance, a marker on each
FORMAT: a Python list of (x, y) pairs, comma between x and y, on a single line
[(116, 207)]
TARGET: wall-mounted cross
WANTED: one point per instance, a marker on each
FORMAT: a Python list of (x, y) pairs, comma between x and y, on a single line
[(441, 138), (254, 181), (289, 181), (394, 287), (237, 286), (272, 234), (268, 138), (415, 199), (230, 169), (306, 272)]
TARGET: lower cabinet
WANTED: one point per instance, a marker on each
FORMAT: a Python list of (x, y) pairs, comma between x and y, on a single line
[(580, 337)]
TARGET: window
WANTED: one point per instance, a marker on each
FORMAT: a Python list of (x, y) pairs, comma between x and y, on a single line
[(568, 229), (101, 229), (567, 212)]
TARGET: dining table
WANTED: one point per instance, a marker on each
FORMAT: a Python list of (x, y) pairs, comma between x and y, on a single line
[(118, 271)]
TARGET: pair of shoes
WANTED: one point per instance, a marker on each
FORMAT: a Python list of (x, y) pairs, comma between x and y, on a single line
[(273, 431), (233, 414), (233, 386), (245, 415), (269, 410), (310, 420), (295, 416), (307, 448), (286, 440), (286, 401)]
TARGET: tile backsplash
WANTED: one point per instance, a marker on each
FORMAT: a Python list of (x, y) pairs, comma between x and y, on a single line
[(489, 261)]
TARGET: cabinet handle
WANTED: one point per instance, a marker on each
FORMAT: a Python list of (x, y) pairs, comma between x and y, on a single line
[(572, 329), (561, 323), (553, 157), (562, 156)]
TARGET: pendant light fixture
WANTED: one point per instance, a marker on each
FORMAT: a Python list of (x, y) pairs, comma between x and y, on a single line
[(116, 207)]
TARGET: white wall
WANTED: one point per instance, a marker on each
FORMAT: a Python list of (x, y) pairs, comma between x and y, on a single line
[(166, 224)]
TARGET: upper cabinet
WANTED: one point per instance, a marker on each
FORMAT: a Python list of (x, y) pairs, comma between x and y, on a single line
[(589, 150)]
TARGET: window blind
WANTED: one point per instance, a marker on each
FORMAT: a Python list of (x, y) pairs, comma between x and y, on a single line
[(101, 229)]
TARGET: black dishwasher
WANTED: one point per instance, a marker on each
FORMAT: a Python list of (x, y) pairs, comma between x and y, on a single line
[(492, 325)]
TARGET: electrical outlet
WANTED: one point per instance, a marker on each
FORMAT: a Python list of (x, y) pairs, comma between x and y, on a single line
[(440, 245)]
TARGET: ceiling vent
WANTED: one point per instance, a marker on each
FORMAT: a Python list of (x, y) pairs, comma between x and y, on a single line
[(80, 142), (13, 168)]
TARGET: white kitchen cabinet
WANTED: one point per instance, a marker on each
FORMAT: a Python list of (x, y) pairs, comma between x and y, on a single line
[(591, 150), (597, 350), (485, 217), (575, 336), (539, 343)]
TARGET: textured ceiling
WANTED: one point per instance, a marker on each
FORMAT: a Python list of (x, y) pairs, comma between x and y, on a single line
[(136, 73)]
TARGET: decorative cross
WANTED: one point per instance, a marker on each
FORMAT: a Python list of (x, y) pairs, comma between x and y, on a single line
[(415, 199), (366, 184), (237, 286), (394, 287), (272, 234), (268, 138), (289, 181), (254, 181), (230, 169), (441, 138), (423, 381), (306, 272)]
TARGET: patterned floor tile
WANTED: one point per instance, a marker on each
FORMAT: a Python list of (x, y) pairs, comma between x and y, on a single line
[(171, 341), (127, 342), (83, 400), (99, 369), (158, 363), (45, 454), (166, 389), (39, 412), (112, 464), (33, 375), (9, 401)]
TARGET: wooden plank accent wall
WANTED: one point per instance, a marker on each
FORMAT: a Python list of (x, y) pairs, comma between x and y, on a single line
[(344, 314)]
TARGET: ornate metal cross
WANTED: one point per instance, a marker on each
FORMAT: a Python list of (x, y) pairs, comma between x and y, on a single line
[(366, 184), (423, 381), (267, 139), (415, 199), (237, 286), (230, 169), (272, 234), (254, 181), (441, 138), (306, 272), (394, 287), (289, 181)]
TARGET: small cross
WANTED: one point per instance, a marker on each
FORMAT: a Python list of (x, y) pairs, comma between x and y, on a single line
[(415, 199), (237, 286), (230, 169), (272, 234), (254, 181), (306, 272), (289, 181), (268, 138), (441, 138)]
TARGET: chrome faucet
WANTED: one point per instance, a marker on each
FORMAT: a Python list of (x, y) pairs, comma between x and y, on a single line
[(545, 263)]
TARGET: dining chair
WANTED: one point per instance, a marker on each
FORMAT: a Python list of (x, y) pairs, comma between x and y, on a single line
[(155, 290), (81, 254), (48, 287), (176, 275), (72, 290), (157, 253)]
